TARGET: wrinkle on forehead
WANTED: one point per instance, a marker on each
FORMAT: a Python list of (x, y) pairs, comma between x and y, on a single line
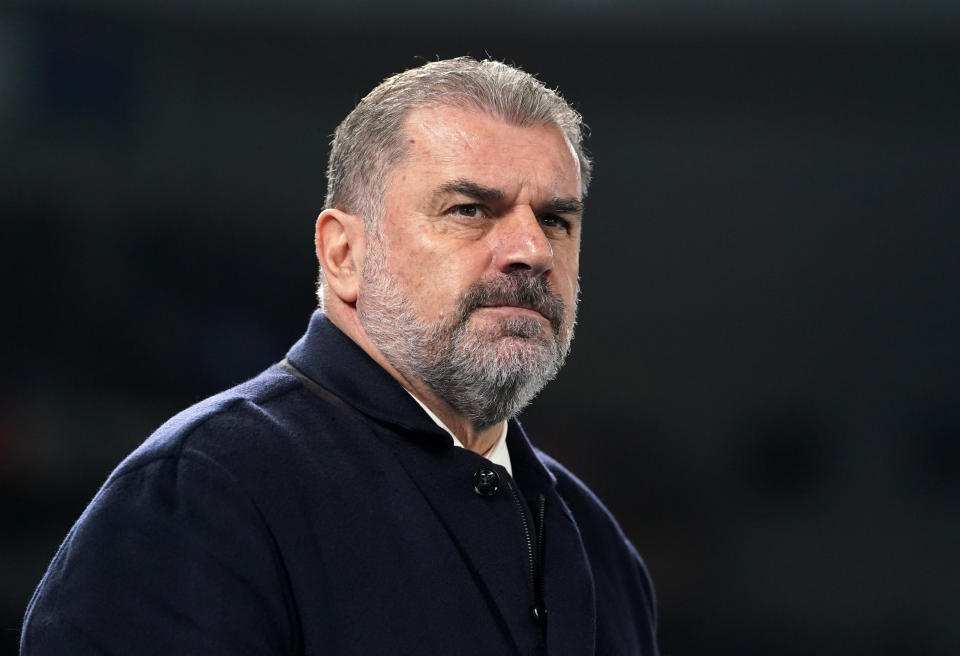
[(446, 133), (442, 123), (441, 136)]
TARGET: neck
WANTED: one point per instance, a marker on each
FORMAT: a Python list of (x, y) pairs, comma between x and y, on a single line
[(477, 439)]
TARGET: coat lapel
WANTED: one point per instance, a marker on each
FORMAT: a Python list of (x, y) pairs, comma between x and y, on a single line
[(568, 581), (572, 625)]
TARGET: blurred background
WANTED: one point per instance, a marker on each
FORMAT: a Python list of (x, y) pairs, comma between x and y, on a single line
[(764, 385)]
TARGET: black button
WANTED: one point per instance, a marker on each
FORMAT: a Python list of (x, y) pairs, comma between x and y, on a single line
[(486, 482)]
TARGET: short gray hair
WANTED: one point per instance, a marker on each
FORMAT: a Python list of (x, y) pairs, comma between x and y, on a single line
[(370, 140)]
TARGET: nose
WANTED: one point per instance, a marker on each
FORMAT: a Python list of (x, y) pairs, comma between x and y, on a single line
[(521, 245)]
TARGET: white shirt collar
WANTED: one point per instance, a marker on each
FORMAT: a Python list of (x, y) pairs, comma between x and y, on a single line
[(498, 454)]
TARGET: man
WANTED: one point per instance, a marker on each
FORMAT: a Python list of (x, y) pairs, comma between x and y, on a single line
[(372, 493)]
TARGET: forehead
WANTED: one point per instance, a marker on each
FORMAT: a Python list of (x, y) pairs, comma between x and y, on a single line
[(454, 143)]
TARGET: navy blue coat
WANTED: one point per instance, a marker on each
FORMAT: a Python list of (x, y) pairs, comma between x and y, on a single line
[(316, 509)]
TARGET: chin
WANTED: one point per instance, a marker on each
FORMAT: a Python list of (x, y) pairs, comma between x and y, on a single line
[(511, 350), (521, 328)]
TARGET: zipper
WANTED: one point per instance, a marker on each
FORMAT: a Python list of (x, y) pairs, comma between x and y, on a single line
[(528, 537), (534, 542), (541, 606)]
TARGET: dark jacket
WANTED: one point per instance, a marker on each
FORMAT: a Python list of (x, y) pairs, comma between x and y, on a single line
[(316, 509)]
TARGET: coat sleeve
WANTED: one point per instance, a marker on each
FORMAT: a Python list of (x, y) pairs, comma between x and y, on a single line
[(171, 557)]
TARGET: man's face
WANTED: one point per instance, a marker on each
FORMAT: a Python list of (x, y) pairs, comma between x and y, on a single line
[(471, 285)]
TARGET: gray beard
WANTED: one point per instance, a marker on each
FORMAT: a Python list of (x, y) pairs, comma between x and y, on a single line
[(485, 374)]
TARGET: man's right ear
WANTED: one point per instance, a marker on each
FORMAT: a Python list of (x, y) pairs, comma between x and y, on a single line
[(341, 241)]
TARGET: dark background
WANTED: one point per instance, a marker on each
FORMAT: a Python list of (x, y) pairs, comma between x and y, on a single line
[(764, 382)]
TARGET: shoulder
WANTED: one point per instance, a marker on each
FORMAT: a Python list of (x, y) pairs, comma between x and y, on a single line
[(243, 418), (263, 446), (199, 457), (241, 446), (174, 531)]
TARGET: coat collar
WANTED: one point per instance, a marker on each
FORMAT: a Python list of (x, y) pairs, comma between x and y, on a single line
[(330, 358), (335, 362)]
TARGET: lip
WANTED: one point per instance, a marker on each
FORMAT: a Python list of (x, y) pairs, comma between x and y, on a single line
[(511, 311)]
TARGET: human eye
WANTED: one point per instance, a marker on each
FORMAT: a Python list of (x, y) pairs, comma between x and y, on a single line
[(466, 210), (554, 221)]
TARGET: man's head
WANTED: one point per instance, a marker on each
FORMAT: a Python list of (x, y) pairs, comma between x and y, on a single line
[(458, 270), (370, 141)]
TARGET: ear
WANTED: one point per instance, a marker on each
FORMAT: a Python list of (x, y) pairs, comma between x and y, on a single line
[(340, 242)]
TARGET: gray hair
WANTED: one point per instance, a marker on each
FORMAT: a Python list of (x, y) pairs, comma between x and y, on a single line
[(370, 140)]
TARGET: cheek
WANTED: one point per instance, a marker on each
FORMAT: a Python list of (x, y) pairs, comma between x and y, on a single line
[(567, 267), (429, 282)]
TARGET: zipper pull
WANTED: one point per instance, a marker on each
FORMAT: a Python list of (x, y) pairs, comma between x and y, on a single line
[(540, 615), (540, 612)]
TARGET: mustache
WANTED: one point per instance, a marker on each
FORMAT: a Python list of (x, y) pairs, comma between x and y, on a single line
[(517, 289)]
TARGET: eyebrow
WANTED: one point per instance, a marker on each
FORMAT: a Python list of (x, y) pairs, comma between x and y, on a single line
[(471, 189), (564, 206), (489, 194)]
